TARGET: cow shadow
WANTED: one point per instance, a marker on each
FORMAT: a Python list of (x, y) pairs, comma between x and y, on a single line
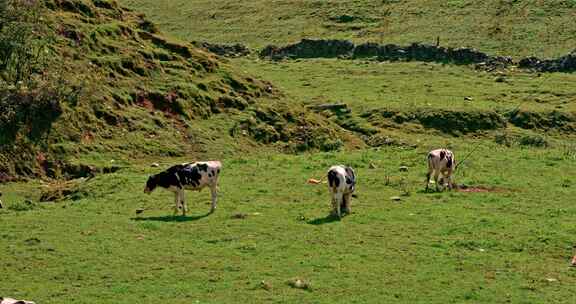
[(172, 218), (324, 220)]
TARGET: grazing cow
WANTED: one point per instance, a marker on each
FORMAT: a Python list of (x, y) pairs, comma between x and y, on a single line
[(13, 301), (341, 183), (441, 161), (187, 176)]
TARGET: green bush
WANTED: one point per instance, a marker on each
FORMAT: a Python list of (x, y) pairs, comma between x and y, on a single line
[(533, 141), (23, 40)]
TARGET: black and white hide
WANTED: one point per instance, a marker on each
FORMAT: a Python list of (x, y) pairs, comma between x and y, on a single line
[(441, 161), (187, 176), (341, 184)]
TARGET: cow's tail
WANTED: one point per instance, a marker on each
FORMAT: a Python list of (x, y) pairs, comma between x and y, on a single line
[(429, 159), (332, 178)]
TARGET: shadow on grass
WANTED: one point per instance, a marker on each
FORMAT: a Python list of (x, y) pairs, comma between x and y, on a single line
[(172, 218), (324, 220)]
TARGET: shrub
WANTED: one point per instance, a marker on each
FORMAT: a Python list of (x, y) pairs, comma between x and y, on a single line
[(23, 40), (533, 140)]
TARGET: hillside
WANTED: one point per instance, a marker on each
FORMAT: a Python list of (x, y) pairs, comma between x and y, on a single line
[(119, 88), (516, 28), (122, 97)]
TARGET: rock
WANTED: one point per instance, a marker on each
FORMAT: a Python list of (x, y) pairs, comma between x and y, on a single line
[(300, 284), (226, 50), (403, 169), (265, 285), (396, 198), (139, 210), (155, 165), (468, 98), (240, 216)]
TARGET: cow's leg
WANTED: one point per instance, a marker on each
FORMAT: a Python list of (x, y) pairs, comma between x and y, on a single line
[(428, 175), (335, 204), (176, 201), (347, 203), (436, 174), (214, 196), (450, 182), (339, 199), (183, 202)]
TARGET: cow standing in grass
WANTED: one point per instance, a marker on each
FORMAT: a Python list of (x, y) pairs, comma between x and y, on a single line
[(341, 183), (188, 176), (441, 161)]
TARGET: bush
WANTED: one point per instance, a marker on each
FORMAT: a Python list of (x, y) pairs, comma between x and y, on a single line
[(533, 141), (22, 206), (23, 40)]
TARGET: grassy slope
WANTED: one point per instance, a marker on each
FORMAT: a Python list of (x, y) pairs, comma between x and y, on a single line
[(508, 246), (517, 28), (405, 85), (142, 94)]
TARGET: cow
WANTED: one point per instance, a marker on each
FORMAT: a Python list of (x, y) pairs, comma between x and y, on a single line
[(441, 161), (13, 301), (187, 176), (341, 184)]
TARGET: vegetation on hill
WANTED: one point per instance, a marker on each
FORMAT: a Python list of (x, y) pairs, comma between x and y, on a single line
[(108, 92), (499, 27), (105, 80)]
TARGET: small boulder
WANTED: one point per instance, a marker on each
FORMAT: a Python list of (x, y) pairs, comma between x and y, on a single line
[(403, 169), (265, 285), (240, 216), (300, 284)]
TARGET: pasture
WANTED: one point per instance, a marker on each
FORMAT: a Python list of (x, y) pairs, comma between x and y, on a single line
[(511, 243), (506, 236), (516, 28)]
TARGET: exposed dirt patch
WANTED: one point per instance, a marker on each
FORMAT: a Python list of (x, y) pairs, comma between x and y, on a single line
[(479, 189)]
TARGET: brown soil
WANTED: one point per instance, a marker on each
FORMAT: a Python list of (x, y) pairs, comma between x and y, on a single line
[(479, 189)]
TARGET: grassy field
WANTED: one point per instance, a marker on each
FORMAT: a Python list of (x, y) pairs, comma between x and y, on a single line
[(508, 239), (510, 245), (408, 85), (516, 28)]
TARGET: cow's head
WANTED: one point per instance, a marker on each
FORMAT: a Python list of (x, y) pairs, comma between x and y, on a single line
[(150, 184)]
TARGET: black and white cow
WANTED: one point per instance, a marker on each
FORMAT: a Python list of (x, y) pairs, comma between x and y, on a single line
[(187, 176), (14, 301), (440, 161), (341, 183)]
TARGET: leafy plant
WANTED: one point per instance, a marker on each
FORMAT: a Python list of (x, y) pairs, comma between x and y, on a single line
[(23, 40)]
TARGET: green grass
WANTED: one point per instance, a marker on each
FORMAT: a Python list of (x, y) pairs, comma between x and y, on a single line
[(516, 28), (512, 245), (408, 85)]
